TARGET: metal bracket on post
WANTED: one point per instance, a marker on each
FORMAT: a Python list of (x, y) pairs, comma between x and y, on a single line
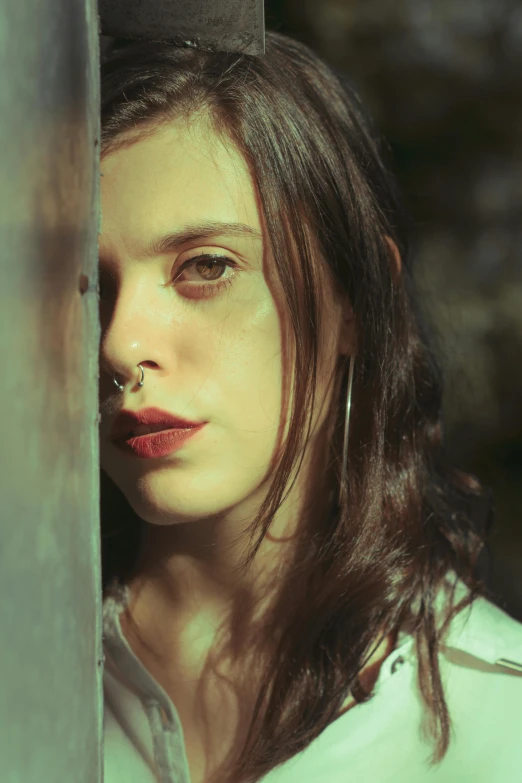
[(216, 25)]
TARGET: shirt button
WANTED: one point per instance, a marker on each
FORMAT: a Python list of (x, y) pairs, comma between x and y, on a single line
[(397, 664)]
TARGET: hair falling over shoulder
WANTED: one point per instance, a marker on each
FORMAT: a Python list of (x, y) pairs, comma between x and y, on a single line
[(379, 561)]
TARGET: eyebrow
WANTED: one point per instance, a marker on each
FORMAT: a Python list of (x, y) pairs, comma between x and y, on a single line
[(196, 232)]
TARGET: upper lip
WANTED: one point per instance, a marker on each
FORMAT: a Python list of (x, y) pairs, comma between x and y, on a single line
[(126, 421)]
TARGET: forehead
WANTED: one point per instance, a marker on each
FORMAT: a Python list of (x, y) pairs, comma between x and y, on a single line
[(182, 174)]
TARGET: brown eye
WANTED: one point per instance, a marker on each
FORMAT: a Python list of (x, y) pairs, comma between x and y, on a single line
[(206, 275), (210, 267)]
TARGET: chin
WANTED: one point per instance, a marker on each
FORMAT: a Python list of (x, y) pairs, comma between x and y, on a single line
[(167, 508), (171, 497)]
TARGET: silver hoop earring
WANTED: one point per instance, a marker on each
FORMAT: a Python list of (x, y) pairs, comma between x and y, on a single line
[(344, 478), (140, 382)]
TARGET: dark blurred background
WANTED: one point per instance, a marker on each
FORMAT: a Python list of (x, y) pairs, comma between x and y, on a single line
[(442, 81)]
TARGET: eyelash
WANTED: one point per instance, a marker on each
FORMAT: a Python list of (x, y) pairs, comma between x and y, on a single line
[(209, 289)]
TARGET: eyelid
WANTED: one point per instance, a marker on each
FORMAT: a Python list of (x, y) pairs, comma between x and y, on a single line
[(202, 289), (206, 250), (179, 267)]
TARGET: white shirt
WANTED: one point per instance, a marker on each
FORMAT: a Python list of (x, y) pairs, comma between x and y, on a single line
[(378, 741)]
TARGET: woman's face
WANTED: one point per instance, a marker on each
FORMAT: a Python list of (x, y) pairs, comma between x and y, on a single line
[(210, 340)]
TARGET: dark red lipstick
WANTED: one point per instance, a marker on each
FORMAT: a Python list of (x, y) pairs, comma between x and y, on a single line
[(152, 432)]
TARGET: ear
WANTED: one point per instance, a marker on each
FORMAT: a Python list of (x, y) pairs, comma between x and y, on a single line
[(395, 256), (348, 337), (347, 333)]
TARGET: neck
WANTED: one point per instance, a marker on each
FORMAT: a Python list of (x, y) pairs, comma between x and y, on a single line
[(190, 573), (196, 565)]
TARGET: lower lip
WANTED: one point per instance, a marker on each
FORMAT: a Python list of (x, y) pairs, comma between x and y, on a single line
[(157, 444)]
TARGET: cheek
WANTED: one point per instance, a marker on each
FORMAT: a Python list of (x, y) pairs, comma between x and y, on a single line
[(251, 367)]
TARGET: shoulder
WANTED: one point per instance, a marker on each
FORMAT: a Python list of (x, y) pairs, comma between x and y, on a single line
[(480, 663), (481, 630), (486, 632), (383, 739), (481, 669)]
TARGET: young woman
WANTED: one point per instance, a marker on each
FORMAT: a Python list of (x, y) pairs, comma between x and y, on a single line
[(290, 568)]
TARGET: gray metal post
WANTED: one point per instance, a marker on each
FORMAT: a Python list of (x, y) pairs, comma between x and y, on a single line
[(51, 714)]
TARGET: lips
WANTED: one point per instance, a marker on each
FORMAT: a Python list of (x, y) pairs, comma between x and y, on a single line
[(146, 429), (157, 444), (146, 421)]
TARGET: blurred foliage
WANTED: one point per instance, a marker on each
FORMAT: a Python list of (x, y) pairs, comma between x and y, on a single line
[(443, 83)]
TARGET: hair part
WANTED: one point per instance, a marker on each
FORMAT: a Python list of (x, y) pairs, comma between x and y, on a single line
[(379, 560)]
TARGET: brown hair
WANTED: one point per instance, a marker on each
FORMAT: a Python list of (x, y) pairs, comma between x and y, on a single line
[(378, 561)]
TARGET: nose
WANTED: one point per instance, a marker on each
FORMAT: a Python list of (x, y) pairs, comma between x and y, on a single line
[(136, 330)]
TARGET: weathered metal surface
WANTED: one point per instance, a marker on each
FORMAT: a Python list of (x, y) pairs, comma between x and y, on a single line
[(51, 714), (221, 25)]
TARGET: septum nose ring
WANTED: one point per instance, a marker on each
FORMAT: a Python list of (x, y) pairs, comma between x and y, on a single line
[(140, 382)]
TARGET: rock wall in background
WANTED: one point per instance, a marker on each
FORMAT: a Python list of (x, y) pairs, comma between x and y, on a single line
[(443, 81)]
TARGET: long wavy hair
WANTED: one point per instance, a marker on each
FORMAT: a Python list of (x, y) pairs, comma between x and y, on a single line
[(375, 562)]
